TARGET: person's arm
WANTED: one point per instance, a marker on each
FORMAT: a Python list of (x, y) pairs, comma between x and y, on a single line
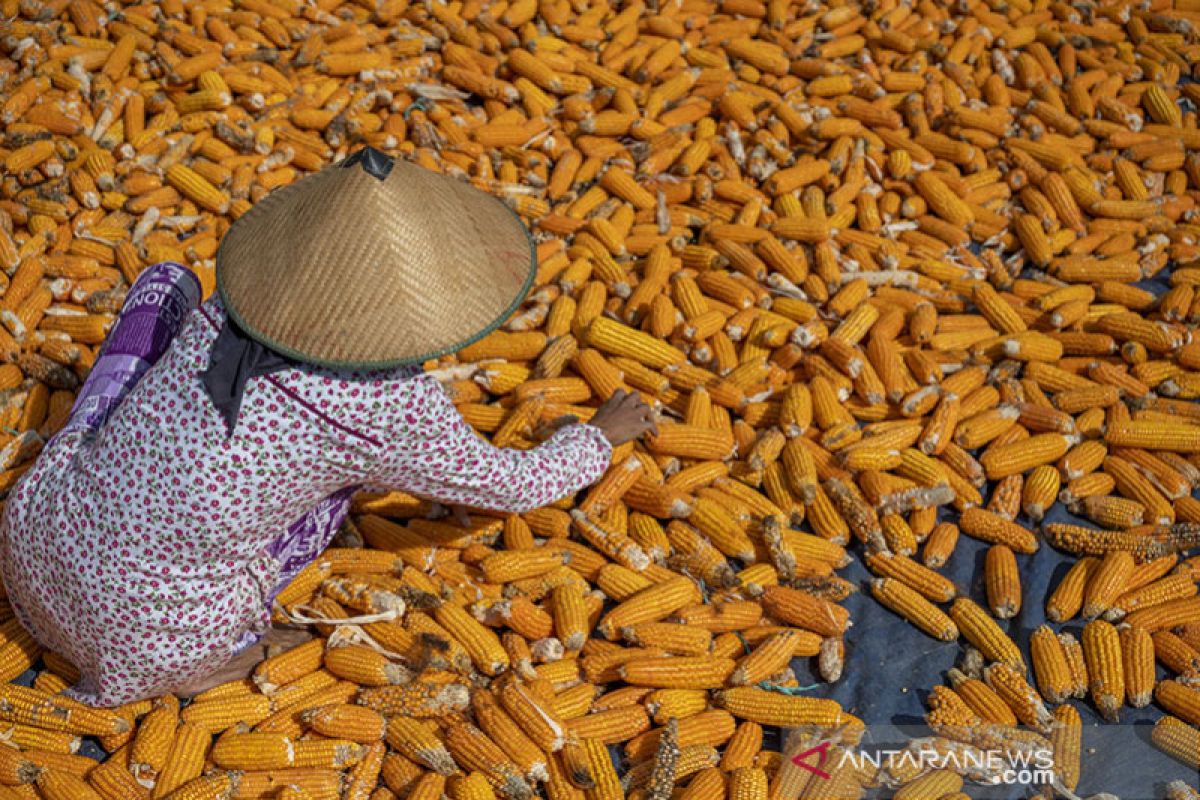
[(439, 456)]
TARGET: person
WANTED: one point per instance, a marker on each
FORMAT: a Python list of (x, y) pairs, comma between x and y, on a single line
[(213, 450)]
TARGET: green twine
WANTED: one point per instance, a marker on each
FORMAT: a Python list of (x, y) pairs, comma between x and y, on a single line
[(790, 691), (420, 104)]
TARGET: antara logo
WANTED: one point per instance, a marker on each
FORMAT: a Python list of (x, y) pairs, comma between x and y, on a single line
[(822, 753)]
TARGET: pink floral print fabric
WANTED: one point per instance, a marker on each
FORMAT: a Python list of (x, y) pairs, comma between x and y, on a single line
[(143, 552)]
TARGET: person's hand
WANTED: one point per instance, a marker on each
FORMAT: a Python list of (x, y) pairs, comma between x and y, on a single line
[(624, 417)]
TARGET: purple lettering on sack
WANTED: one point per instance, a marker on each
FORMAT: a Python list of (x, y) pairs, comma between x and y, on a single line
[(309, 535), (154, 310)]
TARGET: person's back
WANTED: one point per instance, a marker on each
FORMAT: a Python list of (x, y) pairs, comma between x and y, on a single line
[(162, 523)]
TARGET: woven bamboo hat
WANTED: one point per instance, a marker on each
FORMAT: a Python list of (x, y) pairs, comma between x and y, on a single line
[(373, 263)]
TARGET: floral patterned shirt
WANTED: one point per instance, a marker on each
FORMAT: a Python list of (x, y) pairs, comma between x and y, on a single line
[(140, 552)]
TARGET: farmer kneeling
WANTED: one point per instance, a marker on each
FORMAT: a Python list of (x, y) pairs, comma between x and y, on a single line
[(213, 451)]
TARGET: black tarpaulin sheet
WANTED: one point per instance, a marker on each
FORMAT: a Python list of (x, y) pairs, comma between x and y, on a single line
[(891, 666)]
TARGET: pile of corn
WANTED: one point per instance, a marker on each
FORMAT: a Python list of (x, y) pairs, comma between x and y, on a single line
[(868, 261)]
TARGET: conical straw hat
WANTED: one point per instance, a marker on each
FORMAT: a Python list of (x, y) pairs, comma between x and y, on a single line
[(371, 263)]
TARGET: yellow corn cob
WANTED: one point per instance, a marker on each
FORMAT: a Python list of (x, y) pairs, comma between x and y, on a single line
[(690, 441), (1177, 739), (1113, 512), (186, 759), (804, 610), (289, 666), (1178, 699), (650, 604), (1065, 738), (29, 156), (1018, 695), (327, 753), (254, 751), (534, 716), (769, 708), (979, 698), (1040, 491), (61, 785), (1172, 587), (16, 768), (427, 696), (418, 741), (196, 188), (673, 638), (1102, 652), (937, 783), (747, 783), (113, 780), (743, 747), (621, 340), (767, 659), (1169, 614), (473, 786), (709, 728), (25, 737), (364, 666), (1161, 107), (980, 630), (30, 707), (221, 714), (354, 723), (680, 672), (1076, 663), (666, 703), (611, 726), (940, 544), (473, 750), (320, 783), (1137, 654), (481, 644), (993, 528), (1176, 437), (504, 731), (219, 786), (909, 604), (1067, 598), (1002, 581), (1106, 582), (1050, 665), (151, 745)]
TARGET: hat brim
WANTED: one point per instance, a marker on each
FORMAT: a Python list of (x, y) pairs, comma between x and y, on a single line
[(306, 356)]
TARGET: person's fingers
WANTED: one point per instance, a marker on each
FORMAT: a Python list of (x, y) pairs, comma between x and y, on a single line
[(461, 516), (548, 429)]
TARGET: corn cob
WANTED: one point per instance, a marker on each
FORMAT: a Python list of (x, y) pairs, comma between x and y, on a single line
[(978, 628), (1102, 651), (915, 608)]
